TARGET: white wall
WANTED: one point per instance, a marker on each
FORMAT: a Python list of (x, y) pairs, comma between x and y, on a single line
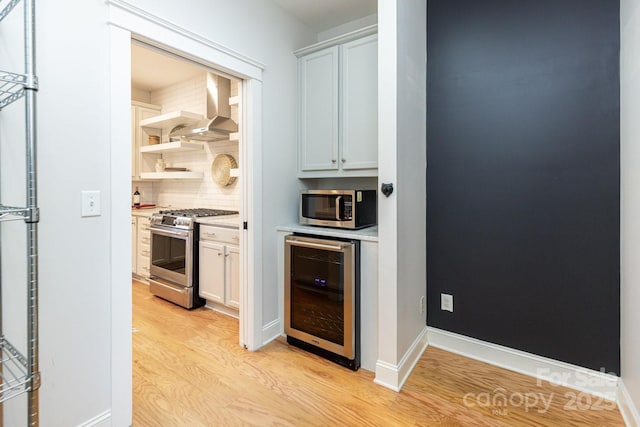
[(387, 173), (402, 161), (73, 152), (630, 196), (140, 95), (411, 146), (74, 155), (348, 27)]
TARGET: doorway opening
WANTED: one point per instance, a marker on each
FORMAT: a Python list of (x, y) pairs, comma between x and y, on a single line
[(179, 42), (182, 176), (174, 175)]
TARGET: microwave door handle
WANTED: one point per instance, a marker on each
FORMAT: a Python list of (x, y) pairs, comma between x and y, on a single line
[(338, 199)]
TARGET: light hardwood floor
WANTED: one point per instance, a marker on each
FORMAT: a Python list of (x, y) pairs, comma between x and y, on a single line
[(188, 370)]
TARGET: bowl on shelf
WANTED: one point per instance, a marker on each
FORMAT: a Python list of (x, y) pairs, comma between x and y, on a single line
[(221, 169)]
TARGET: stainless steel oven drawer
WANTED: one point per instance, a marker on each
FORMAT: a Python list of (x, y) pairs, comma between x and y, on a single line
[(177, 294)]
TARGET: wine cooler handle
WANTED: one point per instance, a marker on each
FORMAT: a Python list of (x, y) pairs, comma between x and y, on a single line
[(312, 245)]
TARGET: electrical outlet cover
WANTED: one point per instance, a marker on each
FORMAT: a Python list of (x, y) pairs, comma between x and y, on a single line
[(446, 302)]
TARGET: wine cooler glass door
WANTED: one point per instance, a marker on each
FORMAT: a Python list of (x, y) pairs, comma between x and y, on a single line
[(319, 293)]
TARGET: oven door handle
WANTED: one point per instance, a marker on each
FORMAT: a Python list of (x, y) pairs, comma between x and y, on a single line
[(167, 233), (306, 244), (338, 200)]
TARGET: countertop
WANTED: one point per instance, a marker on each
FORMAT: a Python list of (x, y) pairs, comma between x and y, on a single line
[(366, 234), (145, 212), (231, 221)]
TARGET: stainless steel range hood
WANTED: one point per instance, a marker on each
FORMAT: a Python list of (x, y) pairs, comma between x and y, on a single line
[(218, 124)]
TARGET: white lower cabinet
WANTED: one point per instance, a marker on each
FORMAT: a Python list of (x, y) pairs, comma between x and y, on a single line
[(134, 243), (232, 279), (212, 271), (219, 265), (141, 247)]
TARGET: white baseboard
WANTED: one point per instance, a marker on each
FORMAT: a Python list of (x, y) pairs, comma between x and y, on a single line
[(576, 377), (223, 309), (394, 376), (102, 419), (271, 331), (626, 406)]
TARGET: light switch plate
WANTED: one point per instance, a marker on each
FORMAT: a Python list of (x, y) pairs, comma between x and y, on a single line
[(90, 203)]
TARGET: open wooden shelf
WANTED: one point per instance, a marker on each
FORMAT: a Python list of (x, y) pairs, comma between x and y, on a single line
[(172, 175), (169, 120), (172, 147)]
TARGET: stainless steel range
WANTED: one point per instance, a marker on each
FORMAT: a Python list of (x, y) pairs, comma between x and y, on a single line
[(174, 254)]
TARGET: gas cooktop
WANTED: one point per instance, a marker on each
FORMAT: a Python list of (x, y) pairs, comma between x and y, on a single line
[(197, 213), (184, 218)]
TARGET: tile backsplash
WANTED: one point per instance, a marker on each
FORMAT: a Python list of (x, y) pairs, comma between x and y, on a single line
[(190, 95), (203, 193)]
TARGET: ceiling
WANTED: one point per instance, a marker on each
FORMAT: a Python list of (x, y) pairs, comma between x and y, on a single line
[(320, 15), (151, 70)]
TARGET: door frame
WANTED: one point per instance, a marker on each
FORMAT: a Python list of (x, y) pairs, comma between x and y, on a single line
[(127, 23)]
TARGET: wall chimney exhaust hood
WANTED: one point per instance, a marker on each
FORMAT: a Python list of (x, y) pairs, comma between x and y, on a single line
[(218, 124)]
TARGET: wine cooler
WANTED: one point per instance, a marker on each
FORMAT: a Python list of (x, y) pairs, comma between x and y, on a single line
[(322, 297)]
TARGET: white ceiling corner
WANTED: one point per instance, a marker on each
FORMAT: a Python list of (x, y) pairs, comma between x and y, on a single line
[(321, 15)]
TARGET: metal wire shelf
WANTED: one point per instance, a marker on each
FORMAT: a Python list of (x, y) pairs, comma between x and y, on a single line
[(13, 371), (9, 213), (19, 374), (11, 87), (8, 8)]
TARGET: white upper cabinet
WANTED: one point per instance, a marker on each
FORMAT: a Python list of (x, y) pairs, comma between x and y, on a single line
[(360, 104), (318, 74), (338, 107)]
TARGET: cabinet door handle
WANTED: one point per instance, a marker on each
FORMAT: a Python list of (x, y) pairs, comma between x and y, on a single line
[(333, 160), (344, 160)]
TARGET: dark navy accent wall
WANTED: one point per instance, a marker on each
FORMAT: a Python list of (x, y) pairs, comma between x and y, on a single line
[(523, 175)]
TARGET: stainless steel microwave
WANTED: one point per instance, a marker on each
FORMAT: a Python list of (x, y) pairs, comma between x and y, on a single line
[(352, 209)]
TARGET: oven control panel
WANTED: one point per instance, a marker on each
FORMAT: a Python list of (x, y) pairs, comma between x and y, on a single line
[(181, 222)]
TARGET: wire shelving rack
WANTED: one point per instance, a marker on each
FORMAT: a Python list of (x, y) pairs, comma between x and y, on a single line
[(20, 374)]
